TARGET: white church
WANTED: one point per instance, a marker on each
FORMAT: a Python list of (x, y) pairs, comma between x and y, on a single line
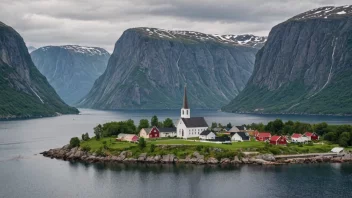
[(187, 126)]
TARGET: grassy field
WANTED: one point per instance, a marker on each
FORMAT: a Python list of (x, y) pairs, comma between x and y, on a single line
[(111, 146), (234, 146), (110, 142)]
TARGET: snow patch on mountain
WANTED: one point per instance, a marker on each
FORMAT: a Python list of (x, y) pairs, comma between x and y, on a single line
[(325, 12), (91, 51), (245, 39)]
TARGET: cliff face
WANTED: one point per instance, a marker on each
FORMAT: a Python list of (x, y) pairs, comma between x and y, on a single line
[(149, 68), (71, 69), (305, 67), (24, 92)]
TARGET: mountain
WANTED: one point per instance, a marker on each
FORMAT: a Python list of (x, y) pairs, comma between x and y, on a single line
[(31, 49), (305, 67), (24, 92), (149, 68), (71, 69)]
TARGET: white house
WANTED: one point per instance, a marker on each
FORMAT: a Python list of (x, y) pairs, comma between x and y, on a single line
[(187, 126), (207, 135), (239, 137), (167, 132), (299, 138)]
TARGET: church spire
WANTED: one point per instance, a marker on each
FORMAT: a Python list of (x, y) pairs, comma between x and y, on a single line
[(185, 111), (185, 102)]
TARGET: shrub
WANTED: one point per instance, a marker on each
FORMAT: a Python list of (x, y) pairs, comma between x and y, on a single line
[(86, 148), (152, 148), (74, 142), (310, 143), (199, 147), (141, 143), (274, 150), (224, 154), (100, 152)]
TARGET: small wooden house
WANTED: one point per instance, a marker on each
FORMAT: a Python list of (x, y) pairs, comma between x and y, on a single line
[(298, 138), (130, 138), (167, 132), (263, 136), (278, 140), (207, 135), (311, 136), (149, 132), (240, 137)]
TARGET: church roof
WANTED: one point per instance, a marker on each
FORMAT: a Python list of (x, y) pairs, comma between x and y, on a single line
[(195, 122), (206, 132), (167, 130), (185, 102)]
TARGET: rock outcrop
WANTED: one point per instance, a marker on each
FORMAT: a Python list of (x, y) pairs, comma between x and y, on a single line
[(305, 67), (77, 154), (24, 91), (149, 68), (71, 69)]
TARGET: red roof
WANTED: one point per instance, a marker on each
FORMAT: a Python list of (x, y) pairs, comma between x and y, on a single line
[(256, 133), (296, 135), (275, 138), (308, 134), (264, 135)]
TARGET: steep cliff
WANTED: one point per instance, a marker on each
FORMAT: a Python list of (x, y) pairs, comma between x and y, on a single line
[(305, 67), (71, 69), (24, 92), (149, 68)]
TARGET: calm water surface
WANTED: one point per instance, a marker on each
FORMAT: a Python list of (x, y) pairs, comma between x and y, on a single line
[(25, 173)]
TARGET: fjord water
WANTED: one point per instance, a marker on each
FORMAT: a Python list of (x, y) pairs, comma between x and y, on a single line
[(25, 173)]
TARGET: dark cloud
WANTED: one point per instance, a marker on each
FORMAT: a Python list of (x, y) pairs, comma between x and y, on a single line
[(101, 22)]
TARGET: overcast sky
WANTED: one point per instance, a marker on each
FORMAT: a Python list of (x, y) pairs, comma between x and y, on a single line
[(101, 22)]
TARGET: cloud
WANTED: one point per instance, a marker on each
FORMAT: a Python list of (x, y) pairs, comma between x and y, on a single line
[(101, 23)]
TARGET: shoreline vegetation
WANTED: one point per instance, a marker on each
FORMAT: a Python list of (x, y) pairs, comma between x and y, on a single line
[(104, 148)]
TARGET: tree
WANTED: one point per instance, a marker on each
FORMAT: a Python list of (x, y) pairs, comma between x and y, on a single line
[(344, 139), (141, 143), (98, 131), (343, 128), (154, 121), (143, 123), (214, 125), (321, 128), (160, 124), (85, 136), (74, 142), (168, 123), (229, 125), (220, 125), (331, 136)]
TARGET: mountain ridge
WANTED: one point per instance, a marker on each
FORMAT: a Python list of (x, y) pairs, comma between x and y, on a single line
[(24, 92), (303, 64), (71, 69), (149, 71)]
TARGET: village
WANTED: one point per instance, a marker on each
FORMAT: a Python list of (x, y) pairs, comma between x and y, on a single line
[(196, 129), (191, 140)]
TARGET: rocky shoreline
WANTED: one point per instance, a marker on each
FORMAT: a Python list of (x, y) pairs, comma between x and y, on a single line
[(77, 154)]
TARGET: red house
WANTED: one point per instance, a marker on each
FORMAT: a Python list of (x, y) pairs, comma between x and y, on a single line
[(263, 136), (130, 138), (149, 132), (278, 140), (311, 136)]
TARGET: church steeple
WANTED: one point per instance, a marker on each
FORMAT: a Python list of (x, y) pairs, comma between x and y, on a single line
[(185, 111), (185, 102)]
